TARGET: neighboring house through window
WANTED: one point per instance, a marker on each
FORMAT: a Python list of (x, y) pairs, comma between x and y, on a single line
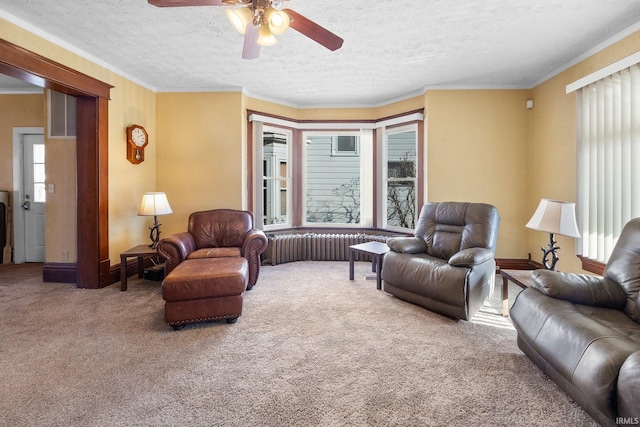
[(276, 145), (332, 178)]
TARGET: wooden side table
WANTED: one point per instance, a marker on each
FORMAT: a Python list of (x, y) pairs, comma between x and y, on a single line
[(521, 278), (140, 251), (376, 250)]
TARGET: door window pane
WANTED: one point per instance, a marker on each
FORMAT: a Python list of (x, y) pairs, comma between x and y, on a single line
[(39, 192)]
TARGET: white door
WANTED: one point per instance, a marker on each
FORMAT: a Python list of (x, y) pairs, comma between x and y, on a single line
[(34, 197)]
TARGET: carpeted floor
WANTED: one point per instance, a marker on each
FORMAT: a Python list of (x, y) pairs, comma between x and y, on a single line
[(311, 349)]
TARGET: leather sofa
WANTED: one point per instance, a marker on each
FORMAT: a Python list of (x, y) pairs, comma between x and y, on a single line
[(583, 331), (448, 266), (216, 233)]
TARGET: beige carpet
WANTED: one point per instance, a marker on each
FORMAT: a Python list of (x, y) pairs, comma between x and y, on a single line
[(311, 348)]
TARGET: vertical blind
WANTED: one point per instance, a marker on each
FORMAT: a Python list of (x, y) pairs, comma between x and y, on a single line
[(608, 155)]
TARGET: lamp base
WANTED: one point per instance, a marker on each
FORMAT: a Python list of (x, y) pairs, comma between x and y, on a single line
[(551, 250), (154, 233)]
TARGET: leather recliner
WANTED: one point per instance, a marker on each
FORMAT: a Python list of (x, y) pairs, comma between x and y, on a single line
[(214, 234), (583, 331), (448, 266)]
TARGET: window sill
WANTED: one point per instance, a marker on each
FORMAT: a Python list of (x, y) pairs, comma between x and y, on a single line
[(592, 265)]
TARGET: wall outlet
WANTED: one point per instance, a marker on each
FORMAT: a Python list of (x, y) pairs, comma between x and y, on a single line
[(65, 256)]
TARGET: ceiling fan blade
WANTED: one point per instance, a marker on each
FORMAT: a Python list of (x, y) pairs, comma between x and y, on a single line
[(251, 49), (314, 31), (181, 3)]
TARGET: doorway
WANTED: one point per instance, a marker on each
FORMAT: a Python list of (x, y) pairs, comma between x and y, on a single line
[(92, 269)]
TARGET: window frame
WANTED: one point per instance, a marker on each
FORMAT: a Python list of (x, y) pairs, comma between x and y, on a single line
[(261, 178), (335, 147), (385, 179)]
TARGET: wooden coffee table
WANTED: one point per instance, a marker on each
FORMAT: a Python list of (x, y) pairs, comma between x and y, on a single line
[(374, 249), (521, 278)]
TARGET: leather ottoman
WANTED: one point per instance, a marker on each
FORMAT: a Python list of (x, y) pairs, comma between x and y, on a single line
[(199, 290)]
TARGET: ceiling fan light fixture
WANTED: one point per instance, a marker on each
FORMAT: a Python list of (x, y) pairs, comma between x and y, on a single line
[(240, 18), (278, 21), (265, 37)]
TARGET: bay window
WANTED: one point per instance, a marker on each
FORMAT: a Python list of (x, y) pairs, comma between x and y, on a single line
[(336, 174)]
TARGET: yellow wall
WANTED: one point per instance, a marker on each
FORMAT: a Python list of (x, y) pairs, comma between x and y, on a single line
[(477, 144), (363, 113), (201, 153), (552, 149), (130, 104)]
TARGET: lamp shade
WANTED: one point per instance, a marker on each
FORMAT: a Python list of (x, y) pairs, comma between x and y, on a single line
[(265, 38), (240, 18), (555, 217), (154, 204), (278, 21)]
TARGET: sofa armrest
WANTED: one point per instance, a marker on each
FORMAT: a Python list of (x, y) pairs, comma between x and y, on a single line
[(470, 257), (175, 249), (255, 242), (580, 288), (407, 245), (628, 387)]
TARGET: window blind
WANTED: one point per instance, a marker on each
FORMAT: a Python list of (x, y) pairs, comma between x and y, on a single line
[(608, 156)]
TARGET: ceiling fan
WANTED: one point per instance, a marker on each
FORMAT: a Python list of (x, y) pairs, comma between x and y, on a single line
[(261, 20)]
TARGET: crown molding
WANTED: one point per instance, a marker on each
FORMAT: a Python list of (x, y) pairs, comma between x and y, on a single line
[(599, 47)]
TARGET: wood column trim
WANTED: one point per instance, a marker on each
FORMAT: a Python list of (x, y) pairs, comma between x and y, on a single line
[(93, 203)]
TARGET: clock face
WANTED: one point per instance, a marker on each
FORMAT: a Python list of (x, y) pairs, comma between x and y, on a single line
[(138, 137)]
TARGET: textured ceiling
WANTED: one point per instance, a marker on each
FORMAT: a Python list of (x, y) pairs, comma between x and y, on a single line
[(392, 48)]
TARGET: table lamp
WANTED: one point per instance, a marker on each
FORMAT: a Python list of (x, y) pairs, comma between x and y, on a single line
[(554, 217), (154, 204)]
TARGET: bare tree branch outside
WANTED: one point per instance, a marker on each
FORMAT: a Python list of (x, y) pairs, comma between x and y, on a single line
[(401, 192)]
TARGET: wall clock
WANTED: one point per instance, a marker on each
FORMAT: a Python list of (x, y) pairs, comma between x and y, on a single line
[(137, 139)]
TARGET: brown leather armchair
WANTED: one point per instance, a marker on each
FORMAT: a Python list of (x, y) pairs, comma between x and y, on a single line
[(214, 234), (583, 331), (448, 266)]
